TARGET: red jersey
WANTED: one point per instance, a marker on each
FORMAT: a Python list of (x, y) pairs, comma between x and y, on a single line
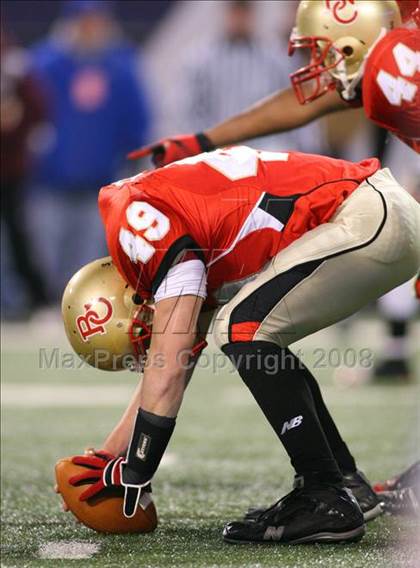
[(233, 208), (391, 85)]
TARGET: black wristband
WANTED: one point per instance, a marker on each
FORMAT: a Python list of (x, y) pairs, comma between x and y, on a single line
[(148, 443), (204, 142)]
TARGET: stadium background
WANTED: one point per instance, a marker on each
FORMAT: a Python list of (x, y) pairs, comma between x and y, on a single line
[(53, 408)]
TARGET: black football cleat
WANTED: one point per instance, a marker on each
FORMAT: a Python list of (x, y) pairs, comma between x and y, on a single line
[(401, 495), (362, 490), (324, 514), (408, 478), (401, 502), (369, 502)]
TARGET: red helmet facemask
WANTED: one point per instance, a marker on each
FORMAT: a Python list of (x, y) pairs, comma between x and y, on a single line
[(141, 330), (314, 80), (141, 334)]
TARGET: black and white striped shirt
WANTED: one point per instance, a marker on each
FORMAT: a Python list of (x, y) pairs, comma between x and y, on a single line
[(226, 77)]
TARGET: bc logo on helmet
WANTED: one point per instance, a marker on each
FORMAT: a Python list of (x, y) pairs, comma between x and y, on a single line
[(92, 322), (344, 11)]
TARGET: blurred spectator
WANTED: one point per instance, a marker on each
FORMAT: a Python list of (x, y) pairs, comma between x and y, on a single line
[(98, 111), (22, 110), (235, 70)]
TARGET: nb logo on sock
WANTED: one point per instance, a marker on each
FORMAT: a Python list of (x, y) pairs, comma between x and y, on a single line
[(293, 423)]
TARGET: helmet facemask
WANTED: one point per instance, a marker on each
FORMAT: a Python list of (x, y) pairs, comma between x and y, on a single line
[(314, 80), (140, 332)]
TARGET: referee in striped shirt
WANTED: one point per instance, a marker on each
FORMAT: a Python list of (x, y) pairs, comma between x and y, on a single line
[(235, 70)]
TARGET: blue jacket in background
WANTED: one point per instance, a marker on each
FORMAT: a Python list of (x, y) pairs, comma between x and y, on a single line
[(98, 110)]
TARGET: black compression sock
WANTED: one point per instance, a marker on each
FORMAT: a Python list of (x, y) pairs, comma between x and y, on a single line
[(277, 382), (339, 448)]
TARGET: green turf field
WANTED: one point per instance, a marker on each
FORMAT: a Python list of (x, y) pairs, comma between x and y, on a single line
[(223, 458)]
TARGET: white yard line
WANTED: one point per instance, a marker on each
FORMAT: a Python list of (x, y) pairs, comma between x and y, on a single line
[(69, 550), (46, 395), (28, 336), (28, 395)]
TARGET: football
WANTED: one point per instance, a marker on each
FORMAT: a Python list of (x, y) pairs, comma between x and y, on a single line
[(104, 513)]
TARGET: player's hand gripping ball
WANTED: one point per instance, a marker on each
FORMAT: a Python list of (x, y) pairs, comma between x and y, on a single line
[(97, 506)]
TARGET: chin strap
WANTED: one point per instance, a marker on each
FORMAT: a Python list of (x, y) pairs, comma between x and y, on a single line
[(199, 346), (349, 92)]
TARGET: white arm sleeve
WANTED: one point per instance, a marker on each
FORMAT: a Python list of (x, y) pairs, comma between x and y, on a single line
[(185, 278)]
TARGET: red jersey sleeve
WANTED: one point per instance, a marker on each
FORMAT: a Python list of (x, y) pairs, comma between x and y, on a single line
[(391, 85), (145, 238)]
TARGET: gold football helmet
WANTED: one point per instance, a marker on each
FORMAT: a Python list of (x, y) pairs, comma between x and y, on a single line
[(104, 321), (339, 35)]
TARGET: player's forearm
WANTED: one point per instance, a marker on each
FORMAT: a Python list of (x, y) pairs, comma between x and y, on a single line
[(167, 370), (117, 441), (277, 113), (265, 117), (162, 395)]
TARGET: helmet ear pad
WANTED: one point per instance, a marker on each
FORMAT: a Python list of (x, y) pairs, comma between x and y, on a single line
[(354, 53)]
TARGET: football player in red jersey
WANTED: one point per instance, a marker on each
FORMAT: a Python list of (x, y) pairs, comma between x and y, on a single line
[(357, 58), (287, 244)]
